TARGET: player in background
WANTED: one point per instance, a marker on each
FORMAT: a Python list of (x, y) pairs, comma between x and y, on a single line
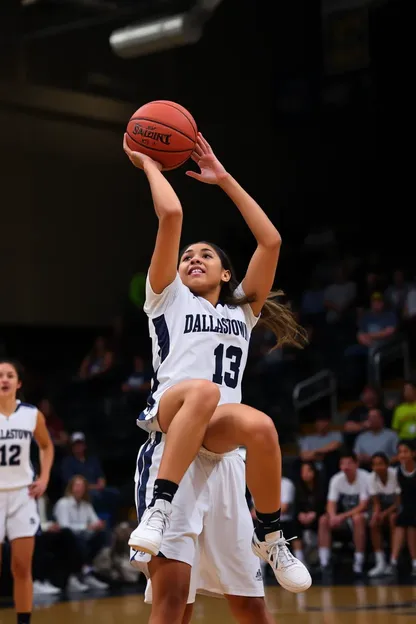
[(200, 321), (19, 487)]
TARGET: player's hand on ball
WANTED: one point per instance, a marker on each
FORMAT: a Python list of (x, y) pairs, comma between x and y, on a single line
[(138, 159), (37, 488), (212, 171)]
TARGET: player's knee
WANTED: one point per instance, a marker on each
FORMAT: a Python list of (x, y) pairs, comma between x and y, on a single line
[(324, 522), (263, 430), (358, 520), (173, 603), (21, 568), (248, 609), (205, 393)]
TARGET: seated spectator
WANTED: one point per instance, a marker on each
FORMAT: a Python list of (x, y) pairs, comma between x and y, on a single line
[(54, 424), (406, 517), (312, 305), (309, 506), (339, 297), (396, 293), (56, 557), (384, 491), (376, 327), (322, 447), (79, 462), (345, 512), (138, 382), (75, 512), (357, 419), (113, 562), (404, 417), (98, 361), (377, 439)]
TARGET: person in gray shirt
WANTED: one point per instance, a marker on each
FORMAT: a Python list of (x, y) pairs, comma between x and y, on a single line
[(377, 439), (323, 446)]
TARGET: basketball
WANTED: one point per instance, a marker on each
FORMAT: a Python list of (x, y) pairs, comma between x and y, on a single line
[(163, 130)]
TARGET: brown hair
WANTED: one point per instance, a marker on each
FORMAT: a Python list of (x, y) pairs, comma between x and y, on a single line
[(276, 316), (69, 487)]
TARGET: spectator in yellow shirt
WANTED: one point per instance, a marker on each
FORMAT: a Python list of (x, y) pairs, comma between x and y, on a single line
[(404, 418)]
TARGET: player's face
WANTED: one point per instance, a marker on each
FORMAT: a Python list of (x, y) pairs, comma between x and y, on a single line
[(201, 270), (348, 467), (9, 381), (379, 466), (404, 454)]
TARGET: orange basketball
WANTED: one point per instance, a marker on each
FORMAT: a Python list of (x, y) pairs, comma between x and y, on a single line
[(163, 130)]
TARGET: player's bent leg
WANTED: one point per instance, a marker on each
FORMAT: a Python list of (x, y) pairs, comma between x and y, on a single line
[(184, 413), (22, 555), (249, 610), (188, 614), (239, 425), (170, 589)]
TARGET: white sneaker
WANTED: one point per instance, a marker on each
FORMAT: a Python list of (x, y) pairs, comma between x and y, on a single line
[(39, 589), (51, 588), (149, 534), (357, 567), (390, 569), (94, 583), (75, 585), (289, 571), (378, 570)]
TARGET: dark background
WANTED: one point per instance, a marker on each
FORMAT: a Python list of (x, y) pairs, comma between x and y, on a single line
[(309, 110)]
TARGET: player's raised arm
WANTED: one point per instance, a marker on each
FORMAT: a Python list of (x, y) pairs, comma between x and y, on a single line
[(168, 209), (259, 278)]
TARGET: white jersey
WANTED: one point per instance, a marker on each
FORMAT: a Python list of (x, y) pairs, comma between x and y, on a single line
[(16, 434), (192, 339)]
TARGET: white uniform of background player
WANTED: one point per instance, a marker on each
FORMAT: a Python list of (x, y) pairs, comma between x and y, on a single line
[(18, 511), (211, 526)]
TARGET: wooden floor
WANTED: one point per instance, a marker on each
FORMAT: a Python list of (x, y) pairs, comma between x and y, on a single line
[(320, 605)]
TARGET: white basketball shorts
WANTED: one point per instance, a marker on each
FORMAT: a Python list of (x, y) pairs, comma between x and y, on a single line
[(18, 514), (211, 526)]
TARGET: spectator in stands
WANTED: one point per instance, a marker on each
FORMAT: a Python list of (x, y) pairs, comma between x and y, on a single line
[(98, 361), (312, 307), (309, 506), (357, 419), (345, 513), (54, 424), (323, 446), (339, 297), (384, 491), (377, 439), (404, 418), (79, 462), (409, 318), (138, 381), (75, 512), (396, 293), (406, 517), (376, 327), (56, 556)]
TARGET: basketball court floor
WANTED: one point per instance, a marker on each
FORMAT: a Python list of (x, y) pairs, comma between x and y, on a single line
[(342, 604)]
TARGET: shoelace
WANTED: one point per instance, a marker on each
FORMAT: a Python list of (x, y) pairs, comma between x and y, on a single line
[(157, 519), (280, 553)]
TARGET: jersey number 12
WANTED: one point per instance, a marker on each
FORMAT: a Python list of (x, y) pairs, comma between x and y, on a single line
[(234, 355), (12, 458)]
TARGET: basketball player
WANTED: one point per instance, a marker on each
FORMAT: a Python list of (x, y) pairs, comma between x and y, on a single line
[(19, 489), (200, 322), (206, 549)]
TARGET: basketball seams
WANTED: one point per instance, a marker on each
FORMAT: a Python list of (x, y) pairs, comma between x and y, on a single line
[(159, 150), (162, 123), (172, 105)]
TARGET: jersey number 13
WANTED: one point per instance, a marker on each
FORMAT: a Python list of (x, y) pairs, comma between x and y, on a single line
[(233, 357)]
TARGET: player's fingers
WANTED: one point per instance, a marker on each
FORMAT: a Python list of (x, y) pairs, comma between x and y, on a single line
[(126, 147), (205, 144)]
